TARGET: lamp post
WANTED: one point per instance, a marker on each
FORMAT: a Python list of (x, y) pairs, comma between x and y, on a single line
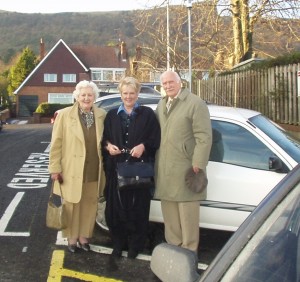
[(168, 37), (189, 7)]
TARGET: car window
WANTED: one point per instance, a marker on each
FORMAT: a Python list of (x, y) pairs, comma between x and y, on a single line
[(281, 137), (233, 144), (273, 254), (110, 103), (149, 90)]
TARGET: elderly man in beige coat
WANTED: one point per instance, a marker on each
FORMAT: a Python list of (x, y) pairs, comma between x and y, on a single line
[(186, 138)]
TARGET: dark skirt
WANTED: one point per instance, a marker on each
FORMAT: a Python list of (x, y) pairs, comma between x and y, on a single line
[(127, 215)]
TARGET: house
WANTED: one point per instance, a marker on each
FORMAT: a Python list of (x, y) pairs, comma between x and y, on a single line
[(53, 80)]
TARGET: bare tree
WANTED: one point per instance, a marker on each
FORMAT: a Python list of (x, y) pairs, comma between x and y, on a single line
[(247, 15), (224, 32)]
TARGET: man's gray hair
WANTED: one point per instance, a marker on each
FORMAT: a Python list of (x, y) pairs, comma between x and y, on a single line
[(176, 75)]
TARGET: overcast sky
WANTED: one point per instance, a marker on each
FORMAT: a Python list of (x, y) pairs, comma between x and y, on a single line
[(58, 6)]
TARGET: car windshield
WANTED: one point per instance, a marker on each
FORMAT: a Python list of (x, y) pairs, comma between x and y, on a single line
[(280, 136), (273, 254)]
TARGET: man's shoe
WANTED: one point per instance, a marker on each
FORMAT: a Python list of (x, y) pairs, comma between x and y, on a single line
[(116, 253), (132, 254)]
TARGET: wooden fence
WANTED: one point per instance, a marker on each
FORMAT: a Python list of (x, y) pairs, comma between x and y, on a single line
[(272, 92)]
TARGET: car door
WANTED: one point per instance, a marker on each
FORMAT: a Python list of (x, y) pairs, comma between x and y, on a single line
[(238, 175)]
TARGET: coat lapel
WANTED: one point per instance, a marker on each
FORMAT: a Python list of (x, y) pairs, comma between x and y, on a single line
[(75, 124), (98, 115)]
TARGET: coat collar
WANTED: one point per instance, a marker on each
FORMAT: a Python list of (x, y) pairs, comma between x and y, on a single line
[(181, 97), (75, 124)]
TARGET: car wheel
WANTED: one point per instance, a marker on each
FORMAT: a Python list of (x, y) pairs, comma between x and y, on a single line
[(100, 218)]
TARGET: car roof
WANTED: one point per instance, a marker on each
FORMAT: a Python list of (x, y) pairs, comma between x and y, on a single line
[(231, 112), (141, 95), (107, 89), (215, 111)]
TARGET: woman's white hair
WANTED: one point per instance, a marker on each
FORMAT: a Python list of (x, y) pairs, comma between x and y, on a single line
[(85, 84)]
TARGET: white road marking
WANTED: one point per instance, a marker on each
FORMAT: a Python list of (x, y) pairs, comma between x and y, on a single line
[(8, 215), (105, 250)]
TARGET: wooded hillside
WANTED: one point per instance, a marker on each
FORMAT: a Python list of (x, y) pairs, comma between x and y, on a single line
[(18, 30), (272, 37)]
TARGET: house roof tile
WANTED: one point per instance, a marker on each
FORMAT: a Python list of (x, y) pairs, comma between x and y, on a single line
[(99, 56)]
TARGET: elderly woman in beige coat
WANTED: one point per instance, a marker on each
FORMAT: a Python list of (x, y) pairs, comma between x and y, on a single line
[(75, 158)]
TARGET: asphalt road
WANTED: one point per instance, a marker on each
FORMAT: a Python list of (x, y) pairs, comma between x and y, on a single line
[(32, 252)]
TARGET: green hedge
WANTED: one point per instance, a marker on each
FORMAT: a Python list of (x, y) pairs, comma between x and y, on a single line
[(48, 109)]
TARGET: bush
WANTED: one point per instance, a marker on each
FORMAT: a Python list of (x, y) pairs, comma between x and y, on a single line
[(48, 109)]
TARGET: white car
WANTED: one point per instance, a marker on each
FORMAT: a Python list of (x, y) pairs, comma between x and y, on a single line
[(249, 156), (113, 89), (266, 247)]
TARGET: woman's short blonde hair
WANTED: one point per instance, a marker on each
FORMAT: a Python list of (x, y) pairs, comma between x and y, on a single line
[(129, 81), (85, 84)]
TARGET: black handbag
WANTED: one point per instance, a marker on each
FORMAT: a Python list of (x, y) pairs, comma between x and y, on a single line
[(135, 175)]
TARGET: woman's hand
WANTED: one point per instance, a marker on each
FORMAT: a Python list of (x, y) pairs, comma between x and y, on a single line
[(113, 149), (57, 176), (137, 151)]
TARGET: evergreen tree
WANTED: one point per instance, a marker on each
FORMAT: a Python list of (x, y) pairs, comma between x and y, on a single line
[(21, 69), (4, 100)]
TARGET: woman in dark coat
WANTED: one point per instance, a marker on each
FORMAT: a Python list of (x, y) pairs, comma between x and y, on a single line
[(131, 131)]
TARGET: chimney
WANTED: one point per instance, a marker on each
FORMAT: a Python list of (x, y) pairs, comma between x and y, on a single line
[(123, 51), (42, 49)]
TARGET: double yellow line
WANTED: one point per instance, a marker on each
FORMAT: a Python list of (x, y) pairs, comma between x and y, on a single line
[(57, 271)]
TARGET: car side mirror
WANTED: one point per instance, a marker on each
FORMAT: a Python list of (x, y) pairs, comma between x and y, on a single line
[(275, 164), (172, 263)]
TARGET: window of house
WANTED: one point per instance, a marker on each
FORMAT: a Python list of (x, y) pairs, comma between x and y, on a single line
[(50, 77), (119, 75), (69, 77), (60, 98), (107, 75)]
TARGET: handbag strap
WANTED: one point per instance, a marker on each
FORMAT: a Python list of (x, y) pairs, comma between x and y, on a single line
[(127, 151), (51, 192)]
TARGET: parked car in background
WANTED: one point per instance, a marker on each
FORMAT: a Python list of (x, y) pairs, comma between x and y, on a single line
[(250, 154), (113, 89), (110, 101), (114, 100), (266, 247)]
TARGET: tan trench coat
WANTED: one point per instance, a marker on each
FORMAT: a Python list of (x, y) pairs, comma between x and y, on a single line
[(186, 138), (67, 152)]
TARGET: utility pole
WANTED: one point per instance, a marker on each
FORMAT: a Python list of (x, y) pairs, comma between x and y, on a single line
[(168, 37), (189, 7)]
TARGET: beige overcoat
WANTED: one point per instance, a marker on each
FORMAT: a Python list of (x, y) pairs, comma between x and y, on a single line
[(68, 151), (186, 138)]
